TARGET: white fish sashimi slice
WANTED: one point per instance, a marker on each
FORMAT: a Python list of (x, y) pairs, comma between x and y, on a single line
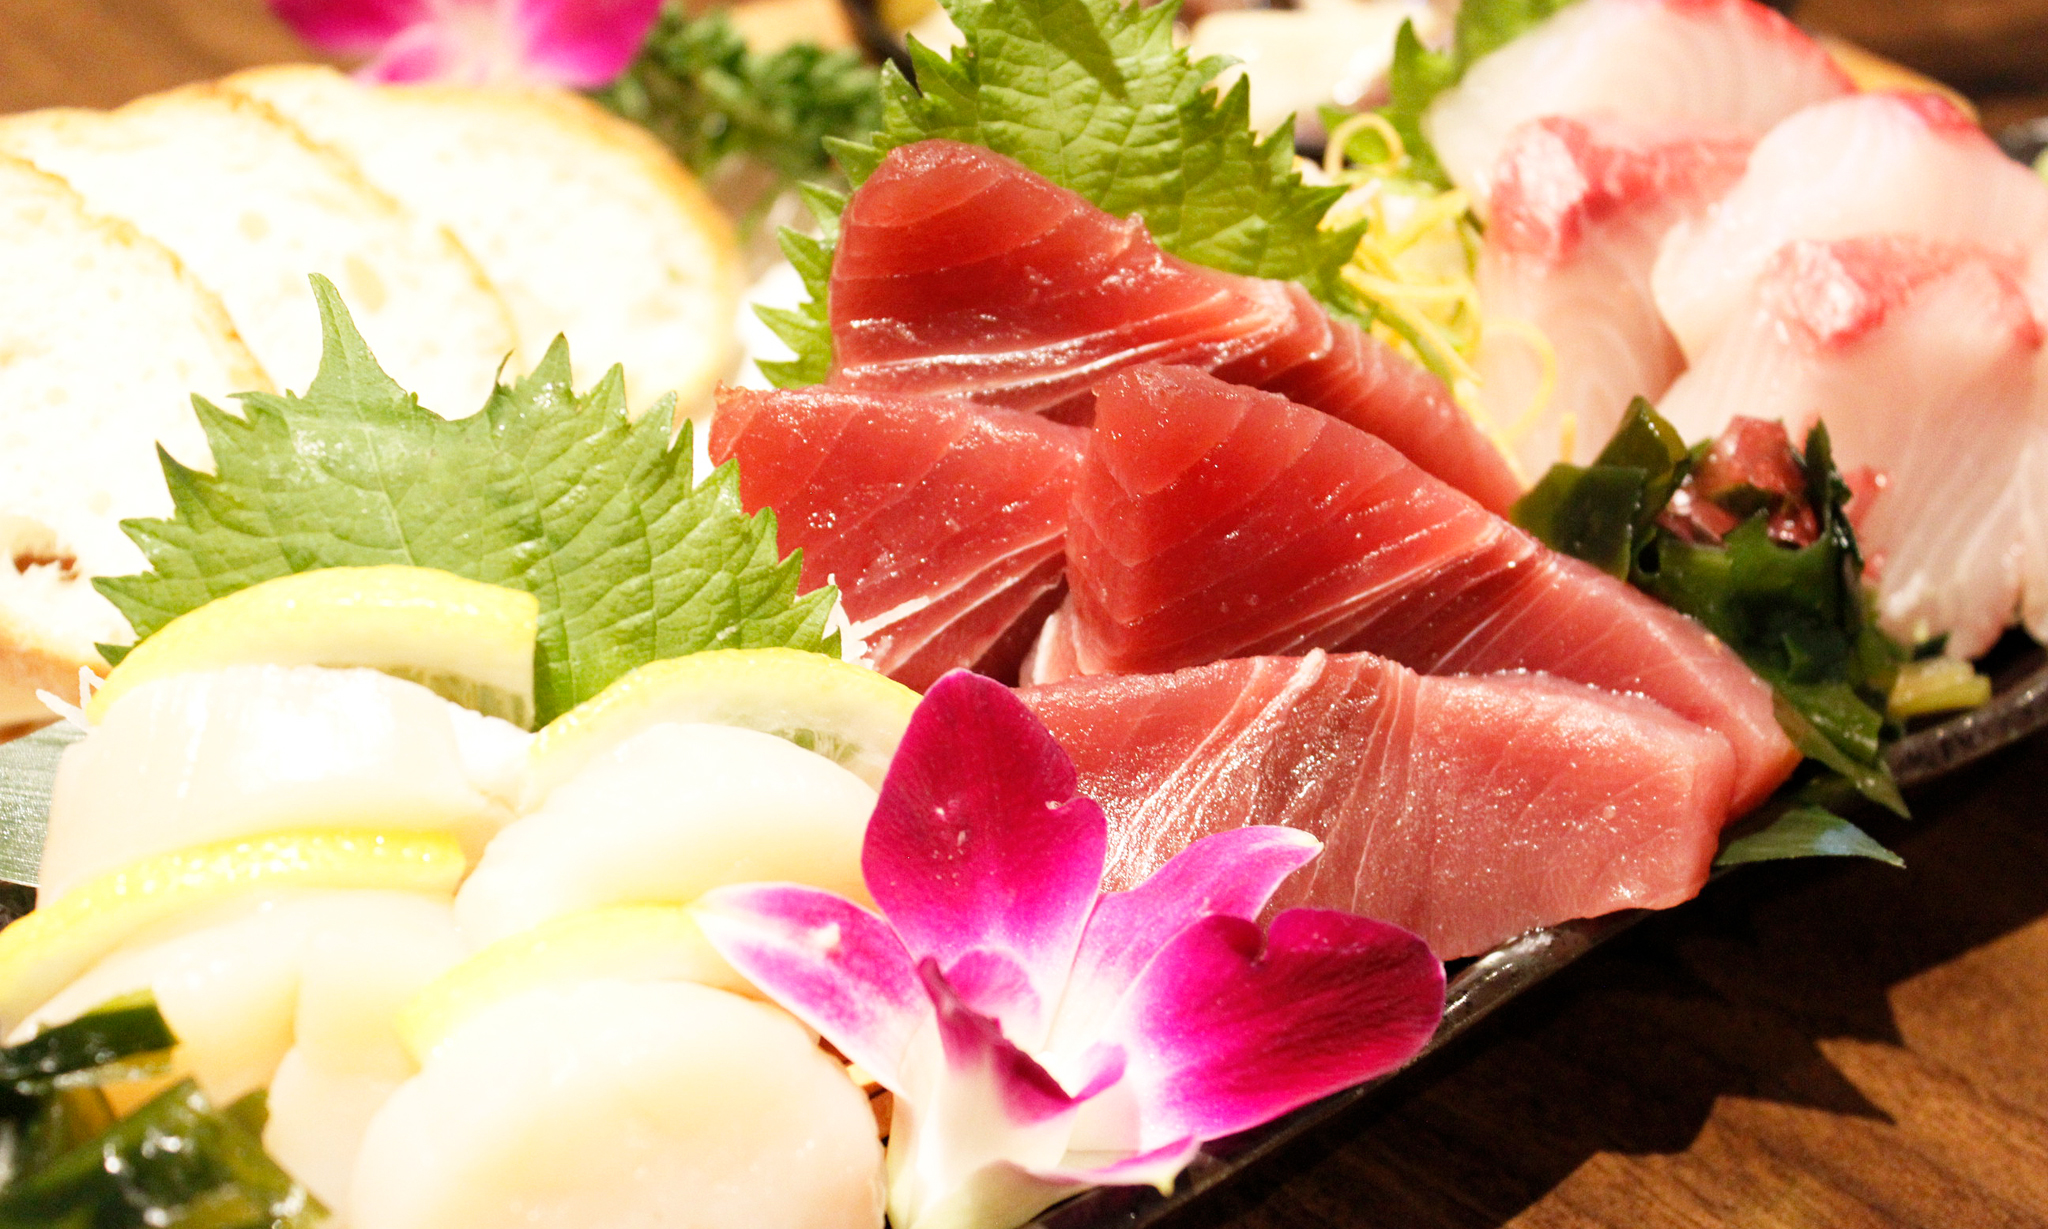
[(1906, 164), (623, 1104), (1579, 210), (1732, 64), (251, 749), (1921, 358)]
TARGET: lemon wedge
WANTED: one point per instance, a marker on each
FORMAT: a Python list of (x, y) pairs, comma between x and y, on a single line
[(48, 949), (627, 942), (847, 713), (468, 641)]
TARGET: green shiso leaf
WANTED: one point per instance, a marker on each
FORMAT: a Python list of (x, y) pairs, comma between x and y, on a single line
[(1806, 832), (1798, 617), (695, 85), (1418, 75), (561, 495), (1095, 96)]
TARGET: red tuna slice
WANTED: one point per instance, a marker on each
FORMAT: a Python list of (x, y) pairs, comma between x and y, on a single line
[(1921, 358), (1467, 809), (1732, 65), (1212, 521), (1579, 208), (942, 523), (1874, 164), (962, 273)]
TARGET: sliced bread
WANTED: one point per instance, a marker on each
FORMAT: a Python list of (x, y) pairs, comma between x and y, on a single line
[(104, 337), (252, 206), (586, 224)]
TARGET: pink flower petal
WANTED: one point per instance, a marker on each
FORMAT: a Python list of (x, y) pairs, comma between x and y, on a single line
[(1222, 1037), (426, 52), (994, 985), (1231, 873), (832, 964), (975, 1046), (584, 43), (351, 27), (978, 840)]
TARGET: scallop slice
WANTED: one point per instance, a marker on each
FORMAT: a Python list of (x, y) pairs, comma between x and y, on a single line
[(205, 757), (623, 1104), (665, 816), (238, 983)]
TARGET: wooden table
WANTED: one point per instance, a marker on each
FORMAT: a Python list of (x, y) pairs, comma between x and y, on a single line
[(1819, 1045)]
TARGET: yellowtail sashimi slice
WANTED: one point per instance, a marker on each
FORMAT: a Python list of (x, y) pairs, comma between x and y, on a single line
[(627, 942), (1869, 164), (1729, 64), (846, 713), (617, 1103), (1921, 359), (51, 947), (466, 640), (196, 758), (665, 816)]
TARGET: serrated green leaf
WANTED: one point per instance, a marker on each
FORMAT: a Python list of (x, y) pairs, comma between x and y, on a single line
[(1418, 75), (1095, 96), (696, 86), (561, 495), (1806, 832)]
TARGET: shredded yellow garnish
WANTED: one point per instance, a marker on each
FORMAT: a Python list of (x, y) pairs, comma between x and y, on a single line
[(1415, 263), (1937, 685)]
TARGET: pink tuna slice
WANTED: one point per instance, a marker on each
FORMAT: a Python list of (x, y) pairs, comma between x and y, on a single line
[(1875, 164), (1465, 809), (1732, 65), (960, 272), (1579, 208), (1921, 358), (1212, 521), (942, 523)]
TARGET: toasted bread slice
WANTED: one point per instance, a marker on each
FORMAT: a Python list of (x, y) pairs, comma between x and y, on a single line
[(104, 337), (584, 221), (252, 206)]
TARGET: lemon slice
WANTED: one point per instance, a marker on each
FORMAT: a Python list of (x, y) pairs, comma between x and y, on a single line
[(849, 714), (468, 641), (626, 942), (48, 949)]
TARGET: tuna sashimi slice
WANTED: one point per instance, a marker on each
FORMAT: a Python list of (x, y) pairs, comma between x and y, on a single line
[(1212, 521), (943, 523), (1731, 64), (963, 273), (1920, 357), (1579, 209), (1467, 809), (1905, 164)]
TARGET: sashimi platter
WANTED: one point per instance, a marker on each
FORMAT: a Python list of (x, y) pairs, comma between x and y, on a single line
[(1147, 617)]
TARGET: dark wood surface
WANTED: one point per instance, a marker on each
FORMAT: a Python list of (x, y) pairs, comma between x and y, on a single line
[(1806, 1046)]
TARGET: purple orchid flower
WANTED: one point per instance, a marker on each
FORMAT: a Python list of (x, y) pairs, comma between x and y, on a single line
[(1040, 1035), (579, 43)]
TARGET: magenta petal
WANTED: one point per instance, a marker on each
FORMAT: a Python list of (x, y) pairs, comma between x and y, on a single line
[(351, 27), (832, 964), (978, 840), (1231, 873), (994, 985), (1222, 1037), (975, 1043), (423, 53), (584, 43)]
